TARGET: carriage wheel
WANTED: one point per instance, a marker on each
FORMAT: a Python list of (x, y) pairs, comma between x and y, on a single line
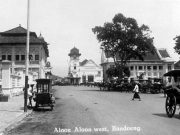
[(170, 105)]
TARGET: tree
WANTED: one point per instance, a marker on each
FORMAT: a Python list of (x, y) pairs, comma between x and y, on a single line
[(123, 40), (112, 72), (177, 44)]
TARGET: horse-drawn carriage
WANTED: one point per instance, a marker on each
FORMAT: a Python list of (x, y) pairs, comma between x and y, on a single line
[(43, 96), (173, 95)]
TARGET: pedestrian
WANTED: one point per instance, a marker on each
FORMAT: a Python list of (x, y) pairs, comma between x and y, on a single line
[(30, 95), (175, 84), (167, 86), (136, 92)]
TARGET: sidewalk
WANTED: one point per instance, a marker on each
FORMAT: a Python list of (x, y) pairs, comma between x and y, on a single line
[(12, 112)]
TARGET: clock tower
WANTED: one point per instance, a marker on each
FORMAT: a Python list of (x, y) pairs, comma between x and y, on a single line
[(74, 66)]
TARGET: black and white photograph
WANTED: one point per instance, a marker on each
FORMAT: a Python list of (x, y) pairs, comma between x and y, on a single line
[(89, 67)]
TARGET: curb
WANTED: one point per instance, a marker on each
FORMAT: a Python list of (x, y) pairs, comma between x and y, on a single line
[(13, 123)]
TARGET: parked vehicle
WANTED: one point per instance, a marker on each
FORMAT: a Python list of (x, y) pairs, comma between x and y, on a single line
[(173, 96), (43, 96)]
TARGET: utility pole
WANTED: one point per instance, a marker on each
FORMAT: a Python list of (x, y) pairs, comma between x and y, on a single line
[(27, 57)]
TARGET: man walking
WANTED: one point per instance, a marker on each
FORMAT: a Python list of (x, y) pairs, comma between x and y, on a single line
[(136, 92)]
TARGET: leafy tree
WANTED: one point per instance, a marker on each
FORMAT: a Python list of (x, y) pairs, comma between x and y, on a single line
[(177, 44), (112, 72), (123, 40)]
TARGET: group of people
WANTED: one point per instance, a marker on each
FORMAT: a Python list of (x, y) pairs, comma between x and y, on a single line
[(172, 82)]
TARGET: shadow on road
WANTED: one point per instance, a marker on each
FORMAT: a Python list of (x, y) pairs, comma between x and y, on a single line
[(41, 109), (165, 116)]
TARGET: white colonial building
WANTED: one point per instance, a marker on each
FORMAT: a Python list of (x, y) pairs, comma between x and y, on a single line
[(153, 66), (82, 72), (13, 55)]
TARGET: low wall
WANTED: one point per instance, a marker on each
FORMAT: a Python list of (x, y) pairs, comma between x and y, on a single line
[(12, 91)]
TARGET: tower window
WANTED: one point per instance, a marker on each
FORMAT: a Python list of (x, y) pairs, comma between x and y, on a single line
[(74, 67), (22, 57), (36, 57), (3, 57), (9, 57), (17, 57)]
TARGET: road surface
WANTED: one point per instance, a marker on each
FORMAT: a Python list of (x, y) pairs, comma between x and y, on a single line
[(88, 111)]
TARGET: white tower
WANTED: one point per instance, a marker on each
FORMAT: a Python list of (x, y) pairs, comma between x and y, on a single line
[(74, 65)]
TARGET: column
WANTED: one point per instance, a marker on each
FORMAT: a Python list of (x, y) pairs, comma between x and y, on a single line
[(6, 77)]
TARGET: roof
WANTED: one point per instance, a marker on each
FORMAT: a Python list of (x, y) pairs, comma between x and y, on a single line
[(151, 56), (17, 31), (74, 51), (148, 57), (19, 40), (83, 62), (18, 36), (163, 53)]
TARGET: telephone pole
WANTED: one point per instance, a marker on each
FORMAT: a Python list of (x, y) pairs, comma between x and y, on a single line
[(27, 57)]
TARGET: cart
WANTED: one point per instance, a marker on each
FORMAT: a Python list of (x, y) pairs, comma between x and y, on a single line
[(43, 96), (173, 96)]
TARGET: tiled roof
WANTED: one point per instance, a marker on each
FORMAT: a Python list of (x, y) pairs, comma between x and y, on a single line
[(74, 51), (19, 40), (148, 57), (18, 36), (18, 29), (83, 62), (163, 53)]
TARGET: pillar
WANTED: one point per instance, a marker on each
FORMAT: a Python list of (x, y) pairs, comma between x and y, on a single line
[(6, 78)]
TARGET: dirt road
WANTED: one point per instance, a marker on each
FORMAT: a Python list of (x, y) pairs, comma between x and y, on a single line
[(88, 111)]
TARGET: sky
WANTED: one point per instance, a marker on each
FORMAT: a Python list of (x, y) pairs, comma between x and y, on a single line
[(65, 24)]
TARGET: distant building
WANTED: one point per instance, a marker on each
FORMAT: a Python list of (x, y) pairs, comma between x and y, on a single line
[(177, 65), (153, 66), (13, 53), (82, 72)]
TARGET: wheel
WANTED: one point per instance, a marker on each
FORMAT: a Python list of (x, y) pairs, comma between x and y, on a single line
[(170, 105)]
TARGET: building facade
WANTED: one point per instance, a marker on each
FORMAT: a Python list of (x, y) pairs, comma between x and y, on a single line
[(13, 52), (82, 72), (153, 66)]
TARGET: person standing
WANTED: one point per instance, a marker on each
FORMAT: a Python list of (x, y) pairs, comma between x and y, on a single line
[(136, 92), (175, 84), (168, 85), (30, 95)]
